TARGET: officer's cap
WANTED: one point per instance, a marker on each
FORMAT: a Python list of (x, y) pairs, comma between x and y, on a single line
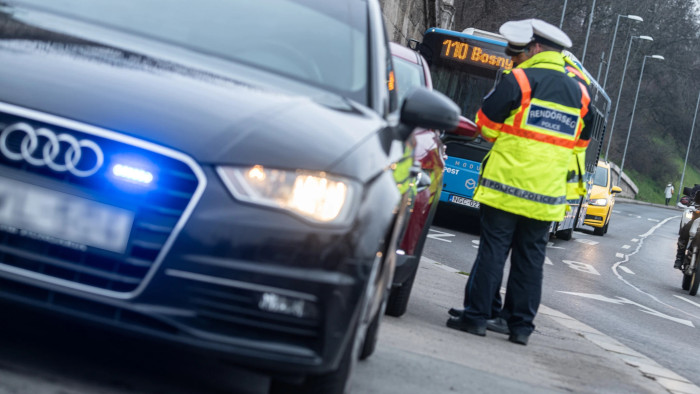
[(520, 34)]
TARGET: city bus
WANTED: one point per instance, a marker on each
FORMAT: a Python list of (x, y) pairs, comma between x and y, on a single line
[(465, 66)]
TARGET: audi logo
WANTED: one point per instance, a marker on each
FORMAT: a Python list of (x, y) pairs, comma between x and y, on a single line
[(30, 151)]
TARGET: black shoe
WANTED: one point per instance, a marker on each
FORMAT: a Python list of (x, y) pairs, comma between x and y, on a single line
[(455, 312), (679, 263), (461, 324), (520, 339), (498, 325)]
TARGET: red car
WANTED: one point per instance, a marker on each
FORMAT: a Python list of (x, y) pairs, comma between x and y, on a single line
[(411, 70)]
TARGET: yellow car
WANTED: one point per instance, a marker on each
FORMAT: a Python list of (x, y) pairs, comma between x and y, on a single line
[(602, 199)]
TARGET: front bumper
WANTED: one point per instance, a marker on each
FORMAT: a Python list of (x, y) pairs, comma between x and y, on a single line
[(596, 216), (260, 287)]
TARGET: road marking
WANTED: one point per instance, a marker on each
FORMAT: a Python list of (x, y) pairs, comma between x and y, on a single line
[(626, 246), (653, 220), (551, 245), (548, 261), (635, 239), (586, 241), (475, 243), (623, 301), (629, 271), (619, 255), (687, 300), (440, 235), (583, 267), (626, 258)]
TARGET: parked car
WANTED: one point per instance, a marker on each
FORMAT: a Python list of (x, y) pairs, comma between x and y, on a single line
[(214, 174), (602, 199), (411, 70)]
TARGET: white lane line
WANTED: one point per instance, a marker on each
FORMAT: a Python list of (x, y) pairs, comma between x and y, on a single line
[(687, 300), (653, 220), (440, 235), (626, 246), (619, 255), (629, 271), (634, 239), (586, 241), (627, 258), (548, 261)]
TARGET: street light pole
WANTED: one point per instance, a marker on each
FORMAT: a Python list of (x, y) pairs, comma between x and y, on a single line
[(563, 11), (607, 69), (619, 93), (680, 187), (585, 44), (634, 106)]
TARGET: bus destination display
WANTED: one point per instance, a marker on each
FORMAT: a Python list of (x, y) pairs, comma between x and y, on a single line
[(474, 54)]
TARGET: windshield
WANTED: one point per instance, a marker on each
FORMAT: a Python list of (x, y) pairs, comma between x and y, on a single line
[(320, 42), (408, 75), (601, 177), (464, 88)]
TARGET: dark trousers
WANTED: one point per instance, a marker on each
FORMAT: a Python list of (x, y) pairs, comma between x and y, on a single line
[(526, 240)]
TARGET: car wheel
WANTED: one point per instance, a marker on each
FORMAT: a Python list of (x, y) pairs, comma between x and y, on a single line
[(605, 229), (399, 296), (370, 343), (599, 230), (565, 235)]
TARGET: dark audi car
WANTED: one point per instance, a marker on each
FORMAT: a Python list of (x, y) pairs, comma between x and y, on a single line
[(219, 174)]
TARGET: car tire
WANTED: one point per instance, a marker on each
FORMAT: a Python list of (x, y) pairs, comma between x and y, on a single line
[(599, 230), (605, 229), (565, 235), (370, 343), (399, 296)]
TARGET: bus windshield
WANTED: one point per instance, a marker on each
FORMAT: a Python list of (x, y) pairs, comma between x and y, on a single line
[(464, 67)]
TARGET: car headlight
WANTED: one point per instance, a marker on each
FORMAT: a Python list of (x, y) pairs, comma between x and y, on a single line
[(315, 196), (600, 202)]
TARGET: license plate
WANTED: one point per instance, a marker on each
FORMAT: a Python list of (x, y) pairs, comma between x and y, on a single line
[(61, 218), (464, 201)]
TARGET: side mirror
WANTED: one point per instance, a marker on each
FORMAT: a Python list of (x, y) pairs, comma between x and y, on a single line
[(428, 109), (616, 189)]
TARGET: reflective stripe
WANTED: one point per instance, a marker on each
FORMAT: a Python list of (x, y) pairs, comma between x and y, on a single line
[(533, 135), (526, 90), (527, 195)]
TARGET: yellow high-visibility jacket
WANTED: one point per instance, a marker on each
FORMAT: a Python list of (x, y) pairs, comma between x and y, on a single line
[(535, 118)]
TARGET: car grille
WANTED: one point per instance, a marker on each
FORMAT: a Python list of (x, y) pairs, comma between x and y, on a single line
[(156, 210)]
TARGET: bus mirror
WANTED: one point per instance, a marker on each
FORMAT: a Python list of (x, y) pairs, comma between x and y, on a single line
[(465, 128), (428, 109)]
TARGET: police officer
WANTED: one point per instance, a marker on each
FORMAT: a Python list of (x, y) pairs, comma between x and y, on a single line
[(535, 117)]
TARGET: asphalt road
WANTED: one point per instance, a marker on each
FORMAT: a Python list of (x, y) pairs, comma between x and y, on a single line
[(622, 283)]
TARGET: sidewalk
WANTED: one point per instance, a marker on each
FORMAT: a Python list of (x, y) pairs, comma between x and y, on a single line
[(417, 353)]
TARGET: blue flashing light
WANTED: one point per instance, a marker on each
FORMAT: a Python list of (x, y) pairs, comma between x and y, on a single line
[(133, 174)]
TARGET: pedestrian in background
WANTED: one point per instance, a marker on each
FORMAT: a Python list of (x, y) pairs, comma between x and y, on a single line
[(668, 192), (535, 118)]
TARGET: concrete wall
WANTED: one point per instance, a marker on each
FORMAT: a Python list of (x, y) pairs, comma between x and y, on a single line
[(408, 19), (629, 189)]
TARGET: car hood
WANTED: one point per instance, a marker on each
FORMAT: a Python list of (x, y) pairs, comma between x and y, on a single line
[(215, 118), (599, 192)]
